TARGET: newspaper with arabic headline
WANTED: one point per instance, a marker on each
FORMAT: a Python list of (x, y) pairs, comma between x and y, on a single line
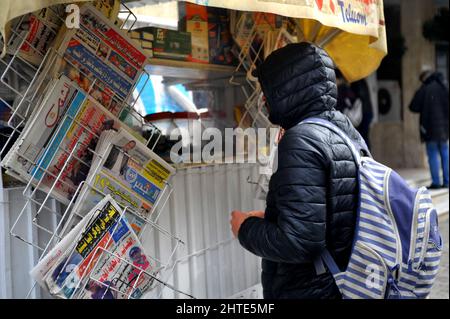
[(39, 271), (104, 61), (122, 272), (128, 170), (38, 132), (102, 259)]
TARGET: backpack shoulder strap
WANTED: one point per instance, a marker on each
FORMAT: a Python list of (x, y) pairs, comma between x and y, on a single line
[(355, 147)]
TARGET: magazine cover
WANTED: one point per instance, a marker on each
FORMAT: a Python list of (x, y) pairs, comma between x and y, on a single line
[(130, 172), (107, 253)]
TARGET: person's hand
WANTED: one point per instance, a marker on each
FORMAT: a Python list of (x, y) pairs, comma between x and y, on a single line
[(280, 135), (237, 218), (256, 213)]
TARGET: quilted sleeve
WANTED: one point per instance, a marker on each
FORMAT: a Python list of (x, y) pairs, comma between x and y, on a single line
[(299, 200)]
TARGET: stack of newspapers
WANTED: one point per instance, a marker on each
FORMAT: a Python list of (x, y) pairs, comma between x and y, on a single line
[(100, 258), (82, 145)]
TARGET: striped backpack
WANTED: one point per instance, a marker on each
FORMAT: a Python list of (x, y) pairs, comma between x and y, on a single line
[(397, 246)]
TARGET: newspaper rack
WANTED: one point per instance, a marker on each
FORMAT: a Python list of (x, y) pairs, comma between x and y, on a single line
[(26, 95), (14, 66), (160, 266)]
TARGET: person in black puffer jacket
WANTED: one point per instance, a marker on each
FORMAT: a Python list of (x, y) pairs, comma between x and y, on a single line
[(313, 195)]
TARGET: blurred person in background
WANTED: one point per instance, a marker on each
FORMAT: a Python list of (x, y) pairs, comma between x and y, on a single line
[(361, 90), (431, 102), (354, 101)]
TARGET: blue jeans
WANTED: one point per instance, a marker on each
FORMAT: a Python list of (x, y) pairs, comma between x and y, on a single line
[(434, 151)]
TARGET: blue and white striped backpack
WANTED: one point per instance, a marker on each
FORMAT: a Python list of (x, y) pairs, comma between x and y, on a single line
[(397, 244)]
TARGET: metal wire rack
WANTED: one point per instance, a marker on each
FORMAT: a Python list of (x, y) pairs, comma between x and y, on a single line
[(24, 84)]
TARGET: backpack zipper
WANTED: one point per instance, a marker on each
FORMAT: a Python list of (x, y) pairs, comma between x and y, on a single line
[(426, 238), (413, 244)]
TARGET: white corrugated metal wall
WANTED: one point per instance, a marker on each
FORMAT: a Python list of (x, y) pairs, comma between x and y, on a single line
[(17, 257), (211, 264), (199, 212)]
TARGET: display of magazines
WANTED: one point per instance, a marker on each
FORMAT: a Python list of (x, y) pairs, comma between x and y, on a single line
[(103, 60), (80, 142), (126, 169), (100, 258), (55, 149)]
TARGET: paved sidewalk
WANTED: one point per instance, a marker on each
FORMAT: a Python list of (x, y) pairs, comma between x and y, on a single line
[(441, 285)]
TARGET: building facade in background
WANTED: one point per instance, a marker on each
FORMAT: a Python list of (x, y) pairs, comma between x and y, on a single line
[(395, 135)]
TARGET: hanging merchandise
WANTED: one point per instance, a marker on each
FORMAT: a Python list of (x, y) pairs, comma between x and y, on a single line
[(353, 32), (220, 40)]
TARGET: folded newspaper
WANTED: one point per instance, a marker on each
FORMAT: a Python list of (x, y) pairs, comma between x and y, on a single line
[(100, 258), (126, 169)]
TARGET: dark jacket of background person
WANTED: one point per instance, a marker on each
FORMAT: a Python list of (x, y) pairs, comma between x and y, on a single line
[(346, 97), (312, 198), (431, 101), (361, 90)]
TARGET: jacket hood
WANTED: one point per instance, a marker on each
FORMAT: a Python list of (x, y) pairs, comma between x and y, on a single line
[(435, 76), (298, 82)]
